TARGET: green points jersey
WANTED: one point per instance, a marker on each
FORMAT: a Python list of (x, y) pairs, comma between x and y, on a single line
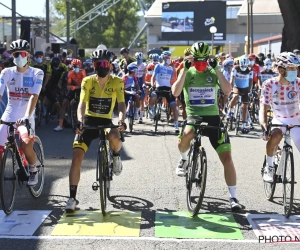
[(201, 92)]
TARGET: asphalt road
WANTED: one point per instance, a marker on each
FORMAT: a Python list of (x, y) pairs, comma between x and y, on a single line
[(148, 183)]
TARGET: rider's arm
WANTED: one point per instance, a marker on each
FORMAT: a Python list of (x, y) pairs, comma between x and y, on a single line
[(266, 100), (224, 84), (81, 111), (263, 116), (232, 77), (259, 82), (137, 85), (250, 81), (3, 80), (84, 98), (121, 101), (178, 84), (69, 82), (48, 75), (155, 72)]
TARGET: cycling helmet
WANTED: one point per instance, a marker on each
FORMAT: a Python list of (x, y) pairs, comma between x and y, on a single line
[(155, 57), (295, 58), (88, 61), (38, 53), (19, 45), (139, 55), (228, 62), (69, 51), (261, 55), (126, 50), (150, 56), (76, 62), (101, 54), (244, 62), (268, 61), (296, 51), (117, 60), (132, 67), (200, 49), (159, 58), (116, 65), (55, 62), (251, 57), (165, 54), (283, 60)]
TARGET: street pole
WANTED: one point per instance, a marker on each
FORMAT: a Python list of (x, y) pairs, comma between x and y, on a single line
[(68, 23), (248, 27), (13, 21), (252, 41), (47, 21), (212, 43), (3, 30)]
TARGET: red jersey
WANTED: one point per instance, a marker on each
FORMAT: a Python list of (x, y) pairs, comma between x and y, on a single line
[(76, 79), (256, 72)]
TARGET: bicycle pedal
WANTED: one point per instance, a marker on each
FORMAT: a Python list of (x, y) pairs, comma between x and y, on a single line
[(95, 186)]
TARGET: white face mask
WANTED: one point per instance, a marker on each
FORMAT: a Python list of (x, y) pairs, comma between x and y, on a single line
[(168, 61), (20, 61), (251, 63)]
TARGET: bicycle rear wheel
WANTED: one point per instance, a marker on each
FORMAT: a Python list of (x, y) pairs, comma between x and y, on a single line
[(8, 180), (74, 119), (288, 179), (101, 170), (268, 186), (238, 118), (196, 180), (38, 149), (157, 115)]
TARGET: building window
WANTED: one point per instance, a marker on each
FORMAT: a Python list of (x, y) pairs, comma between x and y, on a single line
[(231, 12)]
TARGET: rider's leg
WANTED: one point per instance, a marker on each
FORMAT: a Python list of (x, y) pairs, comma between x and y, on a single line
[(115, 144)]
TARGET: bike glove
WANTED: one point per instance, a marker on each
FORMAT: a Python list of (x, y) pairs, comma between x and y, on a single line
[(121, 123), (214, 63), (187, 65)]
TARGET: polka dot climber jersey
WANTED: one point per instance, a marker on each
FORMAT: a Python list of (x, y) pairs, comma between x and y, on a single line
[(284, 99)]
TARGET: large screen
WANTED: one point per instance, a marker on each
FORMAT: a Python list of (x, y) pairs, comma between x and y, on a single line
[(192, 20)]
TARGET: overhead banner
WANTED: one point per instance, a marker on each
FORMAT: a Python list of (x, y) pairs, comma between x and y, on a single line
[(192, 20)]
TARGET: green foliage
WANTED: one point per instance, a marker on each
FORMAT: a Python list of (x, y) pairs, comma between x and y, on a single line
[(115, 29)]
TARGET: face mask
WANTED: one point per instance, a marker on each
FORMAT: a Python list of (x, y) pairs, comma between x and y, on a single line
[(200, 66), (150, 72), (251, 63), (20, 61), (291, 75), (102, 72), (122, 56), (168, 61), (39, 60), (139, 61), (243, 68), (76, 70)]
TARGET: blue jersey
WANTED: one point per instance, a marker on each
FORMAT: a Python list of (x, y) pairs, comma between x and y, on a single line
[(129, 82), (241, 78), (163, 74)]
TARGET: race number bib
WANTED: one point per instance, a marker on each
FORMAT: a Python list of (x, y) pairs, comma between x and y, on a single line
[(201, 96), (100, 106)]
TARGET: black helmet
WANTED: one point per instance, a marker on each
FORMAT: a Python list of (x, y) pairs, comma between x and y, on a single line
[(126, 50), (55, 62), (101, 54), (19, 45), (39, 53)]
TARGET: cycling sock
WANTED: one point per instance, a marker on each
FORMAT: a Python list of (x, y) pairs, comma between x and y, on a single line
[(116, 153), (244, 124), (269, 160), (176, 124), (141, 114), (184, 155), (232, 191), (229, 111), (73, 191)]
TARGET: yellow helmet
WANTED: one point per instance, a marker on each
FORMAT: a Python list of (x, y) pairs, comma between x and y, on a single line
[(70, 51), (150, 56)]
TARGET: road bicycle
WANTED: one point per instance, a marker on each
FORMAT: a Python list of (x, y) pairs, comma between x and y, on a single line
[(196, 173), (104, 174), (283, 163), (131, 111), (14, 167), (73, 110)]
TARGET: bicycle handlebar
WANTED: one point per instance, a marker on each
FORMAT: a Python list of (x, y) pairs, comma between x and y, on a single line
[(288, 127), (204, 125), (102, 127), (10, 124)]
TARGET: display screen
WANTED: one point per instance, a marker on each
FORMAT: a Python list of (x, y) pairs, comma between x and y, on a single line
[(194, 19)]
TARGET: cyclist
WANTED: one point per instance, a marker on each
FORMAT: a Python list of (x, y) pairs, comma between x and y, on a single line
[(267, 72), (116, 69), (282, 94), (126, 59), (140, 74), (40, 64), (256, 70), (241, 80), (75, 78), (23, 85), (200, 85), (88, 67), (131, 86), (161, 80), (97, 99)]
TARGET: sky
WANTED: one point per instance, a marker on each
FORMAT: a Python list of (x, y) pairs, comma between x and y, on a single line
[(24, 7)]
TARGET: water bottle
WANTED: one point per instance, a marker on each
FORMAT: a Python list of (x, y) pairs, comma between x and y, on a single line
[(23, 158)]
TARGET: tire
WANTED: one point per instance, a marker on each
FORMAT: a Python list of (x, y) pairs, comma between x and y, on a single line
[(269, 188), (238, 118), (198, 177), (156, 116), (288, 181), (168, 111), (74, 120), (38, 113), (8, 174), (101, 171), (38, 149), (48, 113)]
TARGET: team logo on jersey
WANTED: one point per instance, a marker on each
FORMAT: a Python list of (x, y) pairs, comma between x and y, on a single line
[(12, 82), (292, 94), (108, 91), (192, 81), (28, 81), (93, 90), (39, 81), (209, 79)]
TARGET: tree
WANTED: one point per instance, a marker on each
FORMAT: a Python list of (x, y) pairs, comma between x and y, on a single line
[(115, 29), (290, 11)]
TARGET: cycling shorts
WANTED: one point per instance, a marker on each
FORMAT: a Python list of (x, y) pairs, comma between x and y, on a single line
[(90, 134), (71, 94), (141, 83), (51, 93), (242, 91), (169, 97), (220, 141)]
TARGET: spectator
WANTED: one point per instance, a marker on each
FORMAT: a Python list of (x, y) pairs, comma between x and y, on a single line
[(48, 51)]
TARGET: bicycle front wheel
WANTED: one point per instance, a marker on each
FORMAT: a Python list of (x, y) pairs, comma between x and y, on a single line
[(288, 179), (74, 119), (196, 180), (101, 169), (38, 149), (8, 180)]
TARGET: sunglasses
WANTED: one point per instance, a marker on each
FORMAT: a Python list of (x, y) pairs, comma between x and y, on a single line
[(38, 56), (101, 64), (200, 59), (22, 53)]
